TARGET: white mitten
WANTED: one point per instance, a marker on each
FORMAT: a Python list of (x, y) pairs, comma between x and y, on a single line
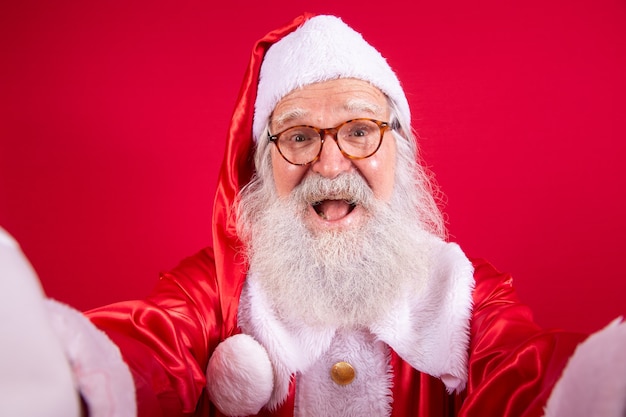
[(593, 383), (240, 379), (35, 377), (102, 376), (51, 352)]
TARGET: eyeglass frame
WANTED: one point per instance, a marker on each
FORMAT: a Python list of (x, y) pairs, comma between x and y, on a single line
[(333, 131)]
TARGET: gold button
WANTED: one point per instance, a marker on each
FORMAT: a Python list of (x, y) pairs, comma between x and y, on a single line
[(342, 373)]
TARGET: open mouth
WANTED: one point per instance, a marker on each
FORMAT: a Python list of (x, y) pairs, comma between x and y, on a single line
[(333, 209)]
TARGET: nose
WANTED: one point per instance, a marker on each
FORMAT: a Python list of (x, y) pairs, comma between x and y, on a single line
[(331, 162)]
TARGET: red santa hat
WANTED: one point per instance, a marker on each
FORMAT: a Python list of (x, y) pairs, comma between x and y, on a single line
[(322, 49), (310, 49)]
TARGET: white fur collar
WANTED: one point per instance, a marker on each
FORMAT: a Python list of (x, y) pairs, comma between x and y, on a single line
[(429, 330)]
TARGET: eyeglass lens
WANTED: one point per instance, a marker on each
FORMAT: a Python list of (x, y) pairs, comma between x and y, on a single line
[(357, 138)]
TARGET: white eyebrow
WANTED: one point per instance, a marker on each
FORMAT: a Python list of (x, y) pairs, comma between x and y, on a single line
[(288, 116), (354, 105), (357, 105)]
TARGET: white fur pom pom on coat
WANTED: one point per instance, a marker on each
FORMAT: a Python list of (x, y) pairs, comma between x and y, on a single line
[(239, 376)]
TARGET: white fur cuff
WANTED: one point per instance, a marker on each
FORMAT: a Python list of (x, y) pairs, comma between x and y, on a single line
[(240, 379), (103, 378), (593, 383)]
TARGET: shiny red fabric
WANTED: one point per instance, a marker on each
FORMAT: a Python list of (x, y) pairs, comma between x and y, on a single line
[(168, 338)]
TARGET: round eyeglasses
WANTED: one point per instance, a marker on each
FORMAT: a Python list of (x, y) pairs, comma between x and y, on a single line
[(356, 139)]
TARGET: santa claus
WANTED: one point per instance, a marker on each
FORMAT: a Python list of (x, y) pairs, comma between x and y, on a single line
[(331, 289)]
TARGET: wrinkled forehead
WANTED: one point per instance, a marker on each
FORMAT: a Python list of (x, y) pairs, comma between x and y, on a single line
[(288, 113), (341, 99)]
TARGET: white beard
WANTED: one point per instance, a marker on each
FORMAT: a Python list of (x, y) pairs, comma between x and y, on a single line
[(345, 278)]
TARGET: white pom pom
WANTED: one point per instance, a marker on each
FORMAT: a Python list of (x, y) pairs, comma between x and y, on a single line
[(240, 379)]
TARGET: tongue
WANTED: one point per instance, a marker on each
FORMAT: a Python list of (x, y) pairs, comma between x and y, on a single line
[(333, 209)]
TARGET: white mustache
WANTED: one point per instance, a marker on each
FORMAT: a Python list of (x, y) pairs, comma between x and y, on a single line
[(347, 186)]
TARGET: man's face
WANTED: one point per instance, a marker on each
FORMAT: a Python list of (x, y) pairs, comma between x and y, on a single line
[(328, 104), (318, 258)]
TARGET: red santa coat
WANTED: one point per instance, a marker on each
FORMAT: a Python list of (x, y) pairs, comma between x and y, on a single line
[(168, 338)]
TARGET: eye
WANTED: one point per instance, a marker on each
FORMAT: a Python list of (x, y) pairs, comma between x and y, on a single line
[(360, 129), (298, 138)]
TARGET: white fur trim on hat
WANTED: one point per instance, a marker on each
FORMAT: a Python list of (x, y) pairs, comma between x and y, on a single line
[(322, 49)]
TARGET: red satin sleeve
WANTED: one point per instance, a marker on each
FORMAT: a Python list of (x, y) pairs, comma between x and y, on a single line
[(166, 338), (513, 363)]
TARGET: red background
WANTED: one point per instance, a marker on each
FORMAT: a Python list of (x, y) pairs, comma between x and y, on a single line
[(113, 116)]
